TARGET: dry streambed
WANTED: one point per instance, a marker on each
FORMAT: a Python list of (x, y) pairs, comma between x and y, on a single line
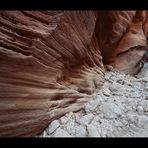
[(120, 109)]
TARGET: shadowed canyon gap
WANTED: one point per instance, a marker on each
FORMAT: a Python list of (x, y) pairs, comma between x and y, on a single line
[(52, 62)]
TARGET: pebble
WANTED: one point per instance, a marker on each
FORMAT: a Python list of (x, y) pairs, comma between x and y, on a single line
[(106, 92), (140, 109)]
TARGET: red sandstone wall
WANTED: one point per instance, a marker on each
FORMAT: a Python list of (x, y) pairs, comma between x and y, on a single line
[(51, 62)]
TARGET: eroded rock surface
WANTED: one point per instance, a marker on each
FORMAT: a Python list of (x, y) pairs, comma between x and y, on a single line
[(52, 62)]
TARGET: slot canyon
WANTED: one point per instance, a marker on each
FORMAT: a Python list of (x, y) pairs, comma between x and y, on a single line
[(54, 62)]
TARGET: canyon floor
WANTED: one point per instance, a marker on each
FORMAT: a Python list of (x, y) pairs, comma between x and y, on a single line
[(119, 109)]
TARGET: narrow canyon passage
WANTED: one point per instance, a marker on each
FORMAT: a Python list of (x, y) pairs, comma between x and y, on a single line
[(53, 62)]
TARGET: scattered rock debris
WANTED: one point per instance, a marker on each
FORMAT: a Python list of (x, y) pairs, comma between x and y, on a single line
[(120, 109)]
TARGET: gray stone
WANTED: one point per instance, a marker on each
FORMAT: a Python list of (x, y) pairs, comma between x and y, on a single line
[(61, 133), (86, 119), (146, 86), (63, 120), (106, 92), (140, 109), (144, 103), (92, 131), (109, 68), (92, 105), (119, 109), (111, 110), (124, 121), (142, 121), (81, 131), (145, 109), (53, 126), (132, 118), (70, 126)]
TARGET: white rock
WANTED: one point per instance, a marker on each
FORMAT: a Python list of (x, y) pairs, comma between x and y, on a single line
[(132, 118), (140, 109), (44, 134), (92, 106), (145, 109), (142, 121), (106, 92), (121, 112), (116, 86), (61, 133), (144, 103), (111, 110), (86, 119), (107, 76), (92, 131), (132, 103), (110, 134), (146, 97), (128, 108), (96, 118), (70, 114), (70, 126), (113, 88), (81, 131), (63, 120), (53, 126), (99, 97), (126, 82), (125, 122), (134, 128), (135, 94), (77, 117)]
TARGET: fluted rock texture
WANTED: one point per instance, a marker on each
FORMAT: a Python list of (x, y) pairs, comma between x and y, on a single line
[(52, 62)]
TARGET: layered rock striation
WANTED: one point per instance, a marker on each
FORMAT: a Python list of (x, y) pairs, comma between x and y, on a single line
[(52, 62)]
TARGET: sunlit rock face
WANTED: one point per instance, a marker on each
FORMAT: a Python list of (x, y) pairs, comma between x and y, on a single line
[(122, 36), (52, 62)]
